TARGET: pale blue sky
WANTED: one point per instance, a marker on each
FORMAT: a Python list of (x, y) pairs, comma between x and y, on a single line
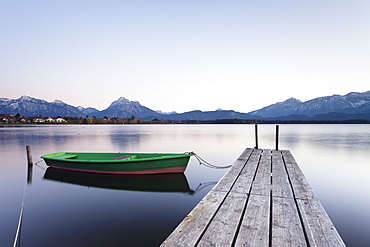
[(182, 55)]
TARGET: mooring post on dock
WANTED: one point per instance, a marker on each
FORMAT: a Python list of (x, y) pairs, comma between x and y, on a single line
[(277, 137), (29, 155), (256, 135)]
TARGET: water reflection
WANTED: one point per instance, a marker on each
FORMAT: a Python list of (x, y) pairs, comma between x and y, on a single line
[(29, 174), (334, 159), (149, 183), (334, 137)]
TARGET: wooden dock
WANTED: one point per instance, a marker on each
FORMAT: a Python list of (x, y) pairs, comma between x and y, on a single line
[(263, 200)]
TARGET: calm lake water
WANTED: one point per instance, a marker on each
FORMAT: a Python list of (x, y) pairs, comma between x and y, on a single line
[(78, 210)]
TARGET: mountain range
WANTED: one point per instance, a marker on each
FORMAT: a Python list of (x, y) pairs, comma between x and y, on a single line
[(335, 107)]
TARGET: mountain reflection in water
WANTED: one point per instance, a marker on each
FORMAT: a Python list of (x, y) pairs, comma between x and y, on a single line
[(176, 182)]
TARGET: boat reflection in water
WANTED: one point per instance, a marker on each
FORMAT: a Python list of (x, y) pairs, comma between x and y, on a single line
[(175, 182)]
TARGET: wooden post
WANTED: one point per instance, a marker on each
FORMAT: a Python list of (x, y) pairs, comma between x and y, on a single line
[(30, 164), (29, 155), (256, 135), (277, 137)]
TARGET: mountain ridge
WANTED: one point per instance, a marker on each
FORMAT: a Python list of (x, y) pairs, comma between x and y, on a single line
[(353, 105)]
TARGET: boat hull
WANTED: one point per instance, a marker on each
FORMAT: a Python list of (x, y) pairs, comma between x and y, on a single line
[(111, 163)]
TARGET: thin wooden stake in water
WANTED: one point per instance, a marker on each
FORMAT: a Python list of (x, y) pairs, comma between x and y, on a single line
[(29, 155), (30, 164), (277, 137), (256, 134)]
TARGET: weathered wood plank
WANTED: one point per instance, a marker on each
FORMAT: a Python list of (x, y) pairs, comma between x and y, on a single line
[(244, 182), (286, 225), (227, 181), (223, 227), (254, 230), (263, 200), (319, 228), (195, 223), (280, 182), (262, 182), (301, 188)]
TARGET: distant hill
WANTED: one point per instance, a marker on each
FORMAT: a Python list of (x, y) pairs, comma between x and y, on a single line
[(352, 103), (124, 108), (89, 111), (29, 106), (335, 107), (209, 115)]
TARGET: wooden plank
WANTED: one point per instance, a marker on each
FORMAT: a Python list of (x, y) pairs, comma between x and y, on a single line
[(319, 228), (195, 223), (223, 227), (227, 181), (262, 182), (254, 230), (280, 183), (287, 229), (244, 181), (263, 200), (301, 188), (125, 157), (320, 231)]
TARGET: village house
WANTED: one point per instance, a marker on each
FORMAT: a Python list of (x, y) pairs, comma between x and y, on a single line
[(60, 120), (9, 118), (40, 119), (6, 117)]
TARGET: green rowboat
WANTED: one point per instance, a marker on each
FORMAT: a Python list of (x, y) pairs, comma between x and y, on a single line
[(119, 163)]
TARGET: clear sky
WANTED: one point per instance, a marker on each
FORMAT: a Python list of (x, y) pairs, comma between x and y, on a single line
[(182, 55)]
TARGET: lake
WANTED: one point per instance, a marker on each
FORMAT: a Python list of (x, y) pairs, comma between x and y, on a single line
[(79, 210)]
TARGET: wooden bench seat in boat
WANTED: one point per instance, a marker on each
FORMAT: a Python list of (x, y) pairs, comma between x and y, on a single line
[(122, 158), (67, 156)]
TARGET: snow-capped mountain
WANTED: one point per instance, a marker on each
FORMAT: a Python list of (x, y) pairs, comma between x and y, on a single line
[(89, 111), (29, 106), (165, 113), (124, 108), (278, 109), (352, 103), (350, 106)]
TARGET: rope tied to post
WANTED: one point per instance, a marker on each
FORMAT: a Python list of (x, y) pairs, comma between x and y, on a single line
[(207, 164)]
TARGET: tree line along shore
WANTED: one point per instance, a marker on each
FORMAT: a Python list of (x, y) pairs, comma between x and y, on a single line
[(9, 119)]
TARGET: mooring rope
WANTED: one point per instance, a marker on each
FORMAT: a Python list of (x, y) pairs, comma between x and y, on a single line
[(203, 185), (207, 164), (36, 164)]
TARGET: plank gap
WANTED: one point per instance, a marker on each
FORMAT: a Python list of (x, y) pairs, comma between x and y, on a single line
[(224, 199), (247, 201), (296, 204)]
